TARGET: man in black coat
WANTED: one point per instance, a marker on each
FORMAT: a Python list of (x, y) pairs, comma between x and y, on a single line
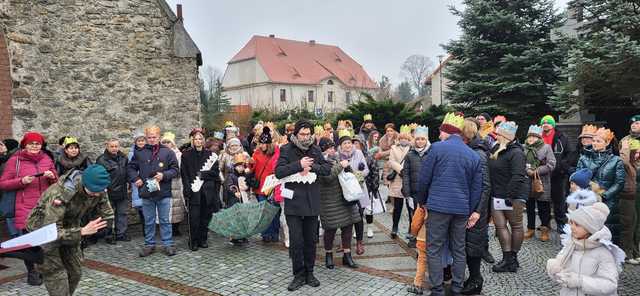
[(116, 164), (302, 201), (203, 203)]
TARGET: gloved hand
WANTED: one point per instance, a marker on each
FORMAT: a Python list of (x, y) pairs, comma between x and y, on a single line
[(570, 280), (361, 166)]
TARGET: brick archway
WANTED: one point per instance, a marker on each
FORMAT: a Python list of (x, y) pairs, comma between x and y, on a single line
[(6, 115)]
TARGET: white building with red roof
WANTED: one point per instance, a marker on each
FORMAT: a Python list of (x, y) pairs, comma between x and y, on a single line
[(280, 74)]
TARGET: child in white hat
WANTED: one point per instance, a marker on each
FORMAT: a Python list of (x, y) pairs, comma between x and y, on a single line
[(589, 263)]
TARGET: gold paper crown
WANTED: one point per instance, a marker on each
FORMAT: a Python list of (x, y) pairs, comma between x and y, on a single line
[(69, 141), (342, 124), (589, 131), (318, 130), (270, 125), (405, 129), (344, 133), (454, 120), (228, 123), (239, 158), (171, 137), (413, 126), (605, 134), (368, 117), (349, 123), (634, 144)]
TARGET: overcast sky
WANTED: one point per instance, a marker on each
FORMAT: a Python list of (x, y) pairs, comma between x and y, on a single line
[(378, 34)]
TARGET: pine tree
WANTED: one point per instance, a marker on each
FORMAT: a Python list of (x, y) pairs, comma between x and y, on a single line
[(505, 61), (383, 112)]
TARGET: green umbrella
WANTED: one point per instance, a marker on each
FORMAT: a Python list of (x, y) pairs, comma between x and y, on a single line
[(243, 220)]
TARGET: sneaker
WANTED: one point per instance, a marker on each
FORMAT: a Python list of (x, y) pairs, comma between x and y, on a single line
[(297, 282), (312, 280), (412, 243), (170, 251), (147, 250), (413, 289), (370, 233)]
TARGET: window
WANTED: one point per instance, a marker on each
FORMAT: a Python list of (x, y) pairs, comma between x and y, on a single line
[(310, 96), (348, 97), (283, 95), (330, 96), (330, 82)]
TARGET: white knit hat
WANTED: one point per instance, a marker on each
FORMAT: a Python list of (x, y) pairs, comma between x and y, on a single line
[(592, 218)]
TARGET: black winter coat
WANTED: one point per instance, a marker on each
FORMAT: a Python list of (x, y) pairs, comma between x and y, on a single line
[(563, 153), (192, 162), (411, 171), (477, 236), (306, 197), (335, 211), (116, 165), (508, 173), (144, 165)]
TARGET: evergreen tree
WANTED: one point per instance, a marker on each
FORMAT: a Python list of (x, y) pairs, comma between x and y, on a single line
[(404, 92), (505, 61), (383, 112)]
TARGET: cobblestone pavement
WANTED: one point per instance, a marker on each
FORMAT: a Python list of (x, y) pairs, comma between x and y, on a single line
[(264, 269)]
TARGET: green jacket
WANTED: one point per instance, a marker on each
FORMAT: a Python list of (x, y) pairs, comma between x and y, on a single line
[(608, 171), (65, 203)]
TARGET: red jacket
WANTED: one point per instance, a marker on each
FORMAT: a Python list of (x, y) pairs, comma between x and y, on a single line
[(27, 196), (264, 166)]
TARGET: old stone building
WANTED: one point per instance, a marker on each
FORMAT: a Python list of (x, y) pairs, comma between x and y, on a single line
[(95, 69)]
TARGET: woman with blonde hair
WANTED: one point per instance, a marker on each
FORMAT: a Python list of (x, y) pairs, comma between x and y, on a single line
[(396, 162)]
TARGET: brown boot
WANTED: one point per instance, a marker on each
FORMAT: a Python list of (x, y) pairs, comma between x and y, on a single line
[(529, 234), (544, 235), (359, 248)]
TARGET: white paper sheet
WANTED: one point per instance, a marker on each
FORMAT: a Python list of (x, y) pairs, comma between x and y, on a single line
[(39, 237), (500, 204)]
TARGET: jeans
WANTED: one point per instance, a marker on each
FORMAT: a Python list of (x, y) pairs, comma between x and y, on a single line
[(11, 227), (628, 219), (544, 212), (442, 228), (273, 232), (149, 207), (120, 208)]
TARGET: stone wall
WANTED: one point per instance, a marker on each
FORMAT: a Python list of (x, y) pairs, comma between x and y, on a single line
[(98, 69), (5, 90)]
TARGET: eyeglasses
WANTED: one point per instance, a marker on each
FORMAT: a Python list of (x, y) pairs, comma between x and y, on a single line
[(34, 144)]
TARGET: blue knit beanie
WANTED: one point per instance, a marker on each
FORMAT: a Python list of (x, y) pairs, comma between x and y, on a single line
[(95, 178), (582, 178)]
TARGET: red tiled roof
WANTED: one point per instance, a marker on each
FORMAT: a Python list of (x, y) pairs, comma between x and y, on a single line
[(298, 62)]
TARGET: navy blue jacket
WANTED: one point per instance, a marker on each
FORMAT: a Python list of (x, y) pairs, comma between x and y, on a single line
[(143, 167), (451, 177)]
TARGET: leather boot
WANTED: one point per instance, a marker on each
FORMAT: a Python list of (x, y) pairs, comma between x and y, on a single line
[(544, 234), (529, 234), (473, 286), (347, 260), (508, 263), (298, 281), (328, 260)]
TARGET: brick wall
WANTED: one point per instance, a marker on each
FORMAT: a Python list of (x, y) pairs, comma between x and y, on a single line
[(5, 90)]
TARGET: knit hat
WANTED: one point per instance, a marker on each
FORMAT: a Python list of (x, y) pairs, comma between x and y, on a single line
[(234, 141), (302, 124), (68, 141), (325, 143), (581, 178), (592, 218), (588, 131), (96, 178), (137, 134), (634, 118), (548, 119), (344, 135), (486, 116), (535, 131), (508, 130), (11, 144), (358, 138), (421, 131), (452, 124), (31, 137), (265, 136)]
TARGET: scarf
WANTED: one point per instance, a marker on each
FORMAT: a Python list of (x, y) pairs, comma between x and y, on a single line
[(421, 151), (155, 150), (598, 239), (548, 137), (634, 135), (404, 143), (72, 163), (531, 152), (303, 145), (35, 158)]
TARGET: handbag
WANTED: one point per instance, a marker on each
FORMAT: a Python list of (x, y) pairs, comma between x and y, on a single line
[(351, 189), (8, 199), (537, 187), (392, 176)]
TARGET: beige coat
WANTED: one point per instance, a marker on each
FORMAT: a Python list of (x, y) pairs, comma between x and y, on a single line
[(396, 158)]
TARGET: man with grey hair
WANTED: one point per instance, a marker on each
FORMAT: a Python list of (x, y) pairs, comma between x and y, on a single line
[(115, 161)]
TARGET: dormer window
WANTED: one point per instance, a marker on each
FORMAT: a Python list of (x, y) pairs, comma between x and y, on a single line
[(330, 82)]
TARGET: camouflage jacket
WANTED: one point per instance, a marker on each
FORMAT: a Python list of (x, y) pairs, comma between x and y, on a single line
[(65, 203)]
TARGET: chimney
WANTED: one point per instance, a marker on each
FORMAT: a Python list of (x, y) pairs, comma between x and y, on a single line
[(272, 36), (312, 42), (179, 11)]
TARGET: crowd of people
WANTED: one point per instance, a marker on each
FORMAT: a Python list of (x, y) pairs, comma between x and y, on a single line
[(478, 173)]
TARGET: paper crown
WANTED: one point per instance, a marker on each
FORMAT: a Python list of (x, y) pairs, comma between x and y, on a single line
[(70, 140), (413, 126), (318, 130), (169, 136), (454, 120), (422, 131), (368, 117), (344, 133), (342, 124), (405, 129), (605, 134), (218, 135), (228, 124), (239, 158), (535, 130), (508, 130), (634, 144), (588, 131)]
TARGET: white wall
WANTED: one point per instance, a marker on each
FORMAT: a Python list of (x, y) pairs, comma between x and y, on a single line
[(243, 73), (437, 95)]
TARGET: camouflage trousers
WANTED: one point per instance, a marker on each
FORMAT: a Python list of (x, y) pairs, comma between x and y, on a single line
[(61, 270)]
